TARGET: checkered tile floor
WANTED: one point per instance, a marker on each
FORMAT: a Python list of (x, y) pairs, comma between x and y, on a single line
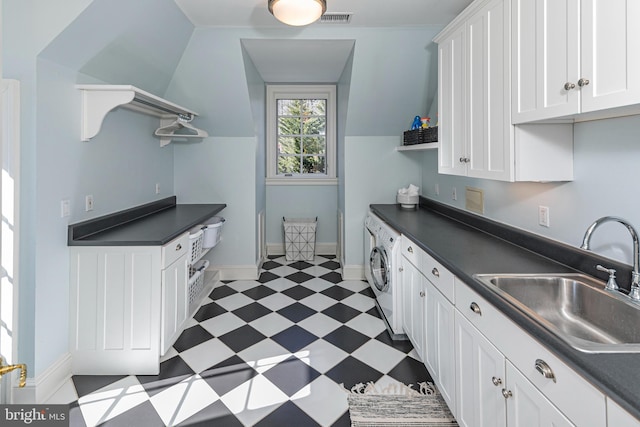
[(271, 352)]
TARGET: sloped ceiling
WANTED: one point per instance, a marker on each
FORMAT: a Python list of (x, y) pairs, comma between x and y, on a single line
[(124, 42)]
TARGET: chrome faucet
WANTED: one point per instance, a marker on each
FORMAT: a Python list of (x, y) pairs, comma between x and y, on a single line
[(634, 293)]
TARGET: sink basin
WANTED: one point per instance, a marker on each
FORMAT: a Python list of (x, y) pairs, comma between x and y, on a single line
[(575, 307)]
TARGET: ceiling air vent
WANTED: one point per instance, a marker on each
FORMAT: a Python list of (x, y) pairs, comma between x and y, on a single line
[(336, 18)]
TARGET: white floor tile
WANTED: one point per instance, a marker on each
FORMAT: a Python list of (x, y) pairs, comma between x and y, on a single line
[(184, 399), (321, 355), (316, 270), (360, 302), (354, 285), (318, 285), (205, 355), (172, 352), (234, 301), (318, 301), (324, 400), (222, 324), (283, 271), (271, 324), (378, 355), (112, 400), (254, 399), (277, 301), (264, 355), (367, 324), (64, 395), (280, 284), (243, 285), (320, 324)]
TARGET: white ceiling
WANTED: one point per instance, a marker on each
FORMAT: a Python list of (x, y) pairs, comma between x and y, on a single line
[(366, 13)]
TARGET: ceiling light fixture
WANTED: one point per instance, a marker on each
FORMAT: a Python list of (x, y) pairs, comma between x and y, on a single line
[(297, 12)]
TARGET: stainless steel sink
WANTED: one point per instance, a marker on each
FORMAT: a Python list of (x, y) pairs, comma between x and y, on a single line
[(575, 307)]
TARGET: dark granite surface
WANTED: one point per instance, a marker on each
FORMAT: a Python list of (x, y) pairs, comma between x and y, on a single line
[(153, 224), (467, 250)]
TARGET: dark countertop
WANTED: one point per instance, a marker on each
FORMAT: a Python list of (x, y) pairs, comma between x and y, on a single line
[(466, 250), (153, 224)]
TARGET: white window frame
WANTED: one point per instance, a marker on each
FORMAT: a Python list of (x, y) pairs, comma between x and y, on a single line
[(275, 92)]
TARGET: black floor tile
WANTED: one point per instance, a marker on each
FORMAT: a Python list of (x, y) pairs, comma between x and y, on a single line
[(340, 312), (374, 312), (221, 291), (298, 292), (346, 338), (299, 277), (343, 421), (291, 375), (330, 265), (209, 311), (213, 415), (351, 371), (228, 374), (294, 338), (288, 414), (300, 265), (267, 276), (172, 371), (333, 277), (410, 371), (337, 293), (296, 312), (251, 312), (259, 292), (241, 338), (403, 345), (368, 292), (191, 337), (86, 384), (75, 416), (143, 415), (270, 265)]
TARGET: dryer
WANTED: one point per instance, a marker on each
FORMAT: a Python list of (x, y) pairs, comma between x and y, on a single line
[(381, 258)]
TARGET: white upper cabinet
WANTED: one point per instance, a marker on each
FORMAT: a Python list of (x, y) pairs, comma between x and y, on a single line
[(575, 59), (476, 135)]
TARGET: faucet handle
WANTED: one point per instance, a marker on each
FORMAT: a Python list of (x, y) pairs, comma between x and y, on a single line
[(612, 285)]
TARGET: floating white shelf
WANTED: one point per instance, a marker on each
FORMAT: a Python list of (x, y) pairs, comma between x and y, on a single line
[(99, 100), (418, 147)]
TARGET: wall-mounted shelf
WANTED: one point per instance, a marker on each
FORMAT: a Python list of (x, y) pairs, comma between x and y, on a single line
[(99, 100), (418, 147)]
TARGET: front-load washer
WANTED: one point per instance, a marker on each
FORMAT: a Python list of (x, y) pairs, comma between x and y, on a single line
[(381, 257)]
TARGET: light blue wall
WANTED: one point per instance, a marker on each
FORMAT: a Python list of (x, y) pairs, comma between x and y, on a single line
[(606, 159)]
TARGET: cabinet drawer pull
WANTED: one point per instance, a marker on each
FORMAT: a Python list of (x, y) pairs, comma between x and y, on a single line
[(506, 393), (583, 82), (435, 272), (496, 381), (422, 294), (475, 308), (410, 249), (569, 86), (545, 370), (178, 247)]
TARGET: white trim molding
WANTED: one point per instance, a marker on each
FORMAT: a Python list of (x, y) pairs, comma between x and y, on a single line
[(238, 272), (353, 272), (321, 248), (39, 389)]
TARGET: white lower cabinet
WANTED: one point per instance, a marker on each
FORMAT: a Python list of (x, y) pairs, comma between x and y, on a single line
[(618, 417), (413, 296), (127, 306)]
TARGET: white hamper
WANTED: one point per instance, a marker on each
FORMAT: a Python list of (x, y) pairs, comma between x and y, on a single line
[(300, 238), (212, 231)]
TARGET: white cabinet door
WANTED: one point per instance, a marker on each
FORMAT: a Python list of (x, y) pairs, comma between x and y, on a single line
[(610, 37), (413, 305), (439, 348), (618, 417), (480, 376), (175, 302), (526, 406)]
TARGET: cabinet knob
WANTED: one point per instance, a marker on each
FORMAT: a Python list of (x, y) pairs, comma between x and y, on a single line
[(464, 160), (435, 272), (506, 393), (410, 249), (545, 370), (569, 86), (422, 294), (475, 308), (178, 247), (496, 381), (401, 269), (583, 82)]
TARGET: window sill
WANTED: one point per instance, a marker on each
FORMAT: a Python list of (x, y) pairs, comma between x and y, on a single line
[(302, 181)]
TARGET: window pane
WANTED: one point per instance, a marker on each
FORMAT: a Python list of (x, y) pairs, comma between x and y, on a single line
[(290, 107), (289, 126), (314, 126), (316, 107), (314, 164), (288, 145), (288, 164), (314, 145)]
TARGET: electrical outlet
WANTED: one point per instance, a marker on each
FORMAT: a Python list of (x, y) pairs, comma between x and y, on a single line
[(158, 188), (437, 188), (88, 202), (65, 208), (454, 194), (543, 216)]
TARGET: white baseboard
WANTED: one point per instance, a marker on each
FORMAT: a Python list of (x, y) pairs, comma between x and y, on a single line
[(238, 272), (39, 389), (321, 248), (353, 272)]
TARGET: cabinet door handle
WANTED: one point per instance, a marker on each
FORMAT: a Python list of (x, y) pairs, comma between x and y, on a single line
[(569, 86), (410, 249), (435, 272), (583, 82), (496, 381), (422, 294), (506, 393), (178, 247), (464, 160), (475, 308), (545, 370), (401, 269)]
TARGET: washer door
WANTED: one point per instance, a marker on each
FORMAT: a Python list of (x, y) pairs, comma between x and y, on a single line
[(379, 267)]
